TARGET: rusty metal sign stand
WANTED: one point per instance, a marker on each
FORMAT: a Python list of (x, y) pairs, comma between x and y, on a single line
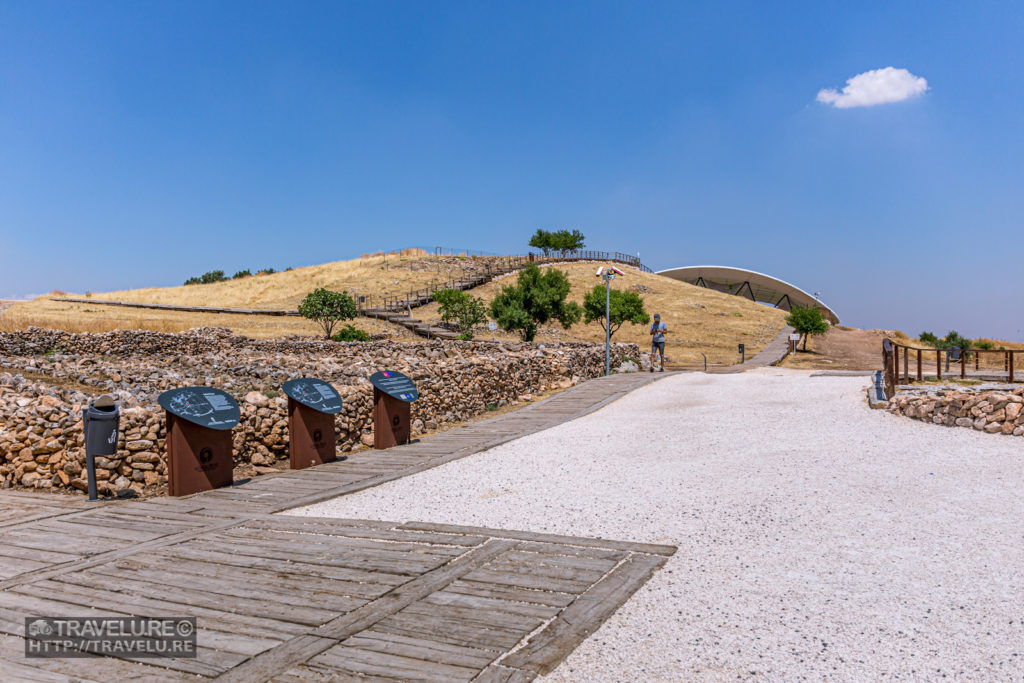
[(392, 394), (199, 450), (312, 405)]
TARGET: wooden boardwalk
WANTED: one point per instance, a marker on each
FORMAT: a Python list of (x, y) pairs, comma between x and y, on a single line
[(295, 598)]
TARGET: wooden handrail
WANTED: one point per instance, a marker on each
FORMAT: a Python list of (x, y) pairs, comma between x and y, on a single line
[(891, 360)]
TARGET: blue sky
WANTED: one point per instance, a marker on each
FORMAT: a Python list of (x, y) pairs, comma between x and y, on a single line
[(144, 142)]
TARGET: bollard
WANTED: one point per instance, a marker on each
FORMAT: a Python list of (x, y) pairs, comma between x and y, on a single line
[(100, 422)]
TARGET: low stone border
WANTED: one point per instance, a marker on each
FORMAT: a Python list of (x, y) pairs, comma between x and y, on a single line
[(985, 409)]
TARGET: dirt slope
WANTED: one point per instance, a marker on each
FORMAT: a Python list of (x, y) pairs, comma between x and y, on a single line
[(841, 348)]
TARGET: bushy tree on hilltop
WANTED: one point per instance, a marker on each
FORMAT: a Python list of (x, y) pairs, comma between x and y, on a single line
[(807, 321), (558, 240), (535, 299), (327, 308), (622, 306)]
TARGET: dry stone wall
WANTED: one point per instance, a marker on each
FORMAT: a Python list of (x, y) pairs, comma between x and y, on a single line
[(995, 412), (47, 377)]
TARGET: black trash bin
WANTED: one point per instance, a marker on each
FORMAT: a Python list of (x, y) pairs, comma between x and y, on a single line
[(100, 422)]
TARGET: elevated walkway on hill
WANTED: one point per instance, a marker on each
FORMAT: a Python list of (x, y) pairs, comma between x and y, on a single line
[(398, 309)]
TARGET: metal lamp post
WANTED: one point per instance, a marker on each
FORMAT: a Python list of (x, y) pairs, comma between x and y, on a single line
[(607, 276)]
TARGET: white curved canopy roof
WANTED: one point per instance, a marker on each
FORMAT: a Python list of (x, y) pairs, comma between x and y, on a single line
[(751, 284)]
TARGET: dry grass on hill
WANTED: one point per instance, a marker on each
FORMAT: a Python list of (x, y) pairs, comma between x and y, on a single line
[(377, 275), (698, 319), (90, 318)]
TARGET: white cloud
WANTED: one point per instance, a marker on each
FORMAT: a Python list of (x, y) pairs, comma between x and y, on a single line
[(875, 87)]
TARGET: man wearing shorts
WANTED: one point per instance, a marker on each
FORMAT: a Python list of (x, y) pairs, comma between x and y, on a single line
[(658, 330)]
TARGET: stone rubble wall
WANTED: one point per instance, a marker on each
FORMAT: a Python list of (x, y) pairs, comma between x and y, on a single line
[(994, 412), (47, 377)]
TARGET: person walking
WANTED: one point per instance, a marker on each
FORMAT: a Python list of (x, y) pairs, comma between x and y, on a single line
[(658, 330)]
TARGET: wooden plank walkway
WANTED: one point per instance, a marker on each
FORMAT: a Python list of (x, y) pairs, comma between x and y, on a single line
[(294, 598), (776, 350)]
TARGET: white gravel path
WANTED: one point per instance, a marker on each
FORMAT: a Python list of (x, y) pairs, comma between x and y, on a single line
[(817, 538)]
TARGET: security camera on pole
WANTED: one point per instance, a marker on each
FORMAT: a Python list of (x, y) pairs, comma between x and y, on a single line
[(608, 274)]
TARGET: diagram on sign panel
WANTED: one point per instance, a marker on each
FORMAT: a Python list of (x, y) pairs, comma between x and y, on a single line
[(190, 404), (307, 393)]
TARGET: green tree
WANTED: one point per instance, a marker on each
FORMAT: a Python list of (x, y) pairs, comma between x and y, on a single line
[(327, 308), (807, 321), (622, 306), (542, 239), (241, 274), (564, 240), (207, 278), (954, 340), (535, 299), (559, 240), (461, 308)]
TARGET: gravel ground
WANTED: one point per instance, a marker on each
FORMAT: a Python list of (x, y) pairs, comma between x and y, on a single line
[(817, 539)]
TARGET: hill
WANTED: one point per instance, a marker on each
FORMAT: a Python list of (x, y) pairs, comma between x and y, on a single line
[(699, 319)]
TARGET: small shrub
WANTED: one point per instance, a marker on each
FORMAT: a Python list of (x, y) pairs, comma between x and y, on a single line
[(240, 274), (265, 271), (350, 334), (929, 338), (462, 309), (207, 278)]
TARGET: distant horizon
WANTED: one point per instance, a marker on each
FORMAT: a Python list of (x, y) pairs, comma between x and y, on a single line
[(869, 152)]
